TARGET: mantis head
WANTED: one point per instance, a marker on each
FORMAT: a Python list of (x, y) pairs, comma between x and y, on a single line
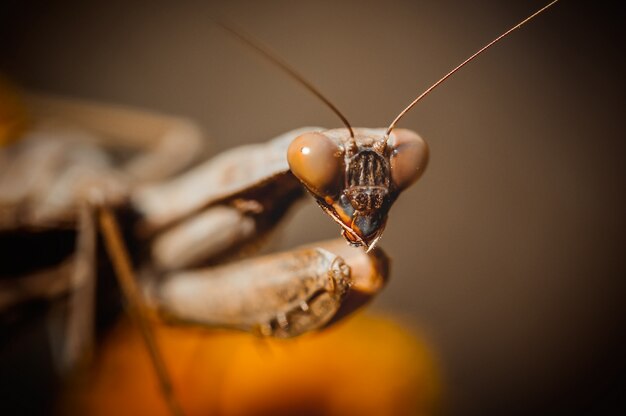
[(357, 179)]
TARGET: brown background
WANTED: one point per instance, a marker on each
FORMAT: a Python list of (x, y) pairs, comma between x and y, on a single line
[(509, 253)]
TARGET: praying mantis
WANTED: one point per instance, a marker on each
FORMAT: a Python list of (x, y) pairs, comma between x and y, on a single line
[(192, 218)]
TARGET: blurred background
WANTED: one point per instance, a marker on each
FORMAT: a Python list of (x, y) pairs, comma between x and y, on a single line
[(509, 254)]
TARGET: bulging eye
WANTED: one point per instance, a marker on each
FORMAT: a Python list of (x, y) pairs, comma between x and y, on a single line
[(409, 157), (317, 162)]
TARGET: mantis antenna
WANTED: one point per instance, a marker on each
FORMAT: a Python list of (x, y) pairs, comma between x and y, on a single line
[(465, 62), (282, 64)]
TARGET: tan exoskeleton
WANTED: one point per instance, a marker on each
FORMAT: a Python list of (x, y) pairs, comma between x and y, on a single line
[(74, 163)]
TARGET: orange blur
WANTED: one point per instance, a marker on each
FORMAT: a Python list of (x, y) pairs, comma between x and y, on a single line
[(365, 366)]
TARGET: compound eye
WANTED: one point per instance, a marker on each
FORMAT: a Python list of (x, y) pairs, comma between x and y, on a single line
[(318, 163), (409, 157)]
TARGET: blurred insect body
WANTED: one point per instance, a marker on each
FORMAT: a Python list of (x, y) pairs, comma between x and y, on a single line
[(209, 213), (63, 172)]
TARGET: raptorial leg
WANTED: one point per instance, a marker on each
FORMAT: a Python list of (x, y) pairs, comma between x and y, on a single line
[(135, 305), (233, 226), (202, 238), (280, 295)]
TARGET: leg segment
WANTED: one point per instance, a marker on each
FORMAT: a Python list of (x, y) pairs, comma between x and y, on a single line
[(281, 295), (123, 269)]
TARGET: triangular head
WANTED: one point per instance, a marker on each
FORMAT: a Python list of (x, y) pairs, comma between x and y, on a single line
[(356, 179)]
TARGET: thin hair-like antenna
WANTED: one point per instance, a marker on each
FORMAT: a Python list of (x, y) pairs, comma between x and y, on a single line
[(481, 50), (278, 61)]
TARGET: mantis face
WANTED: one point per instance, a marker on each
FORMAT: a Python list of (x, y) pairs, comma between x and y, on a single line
[(355, 180)]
